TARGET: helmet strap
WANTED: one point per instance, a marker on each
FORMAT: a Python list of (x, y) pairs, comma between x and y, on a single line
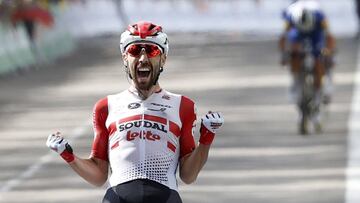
[(127, 71), (158, 75)]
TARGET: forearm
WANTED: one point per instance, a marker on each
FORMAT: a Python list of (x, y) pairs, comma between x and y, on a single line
[(330, 42), (282, 43), (282, 39), (190, 165), (91, 170), (193, 163)]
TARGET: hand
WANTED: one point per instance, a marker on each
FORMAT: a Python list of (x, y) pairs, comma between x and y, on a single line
[(210, 124), (327, 52), (60, 145), (212, 121)]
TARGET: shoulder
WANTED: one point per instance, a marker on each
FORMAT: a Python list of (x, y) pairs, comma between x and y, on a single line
[(187, 101), (170, 94), (114, 99), (285, 15), (122, 94), (291, 10), (320, 15), (187, 107), (101, 105), (180, 96), (184, 100)]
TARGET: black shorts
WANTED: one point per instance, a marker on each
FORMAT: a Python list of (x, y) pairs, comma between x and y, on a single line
[(141, 191)]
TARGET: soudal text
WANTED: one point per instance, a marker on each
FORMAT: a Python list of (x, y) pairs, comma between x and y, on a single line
[(145, 124)]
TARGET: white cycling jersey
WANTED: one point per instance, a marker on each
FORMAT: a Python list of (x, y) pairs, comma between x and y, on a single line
[(143, 139)]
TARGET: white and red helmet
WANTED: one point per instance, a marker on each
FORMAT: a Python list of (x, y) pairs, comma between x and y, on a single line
[(145, 32)]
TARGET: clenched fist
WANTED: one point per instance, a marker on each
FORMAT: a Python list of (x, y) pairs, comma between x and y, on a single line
[(210, 123), (60, 145)]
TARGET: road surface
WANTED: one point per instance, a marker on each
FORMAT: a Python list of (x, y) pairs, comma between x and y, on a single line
[(257, 157)]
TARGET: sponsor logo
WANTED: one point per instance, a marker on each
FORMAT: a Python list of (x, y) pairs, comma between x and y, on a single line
[(146, 124), (161, 105), (145, 135), (161, 109), (167, 97), (133, 105)]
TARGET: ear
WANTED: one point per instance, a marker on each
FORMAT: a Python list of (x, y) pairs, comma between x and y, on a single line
[(163, 59), (124, 57)]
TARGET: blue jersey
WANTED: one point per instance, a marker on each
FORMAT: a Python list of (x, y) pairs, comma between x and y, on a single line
[(319, 17), (316, 35)]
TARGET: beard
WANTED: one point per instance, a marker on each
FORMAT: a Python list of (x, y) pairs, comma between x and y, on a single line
[(144, 81)]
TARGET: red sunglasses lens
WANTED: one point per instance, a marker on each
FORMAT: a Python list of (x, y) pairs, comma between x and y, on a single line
[(134, 50), (151, 50)]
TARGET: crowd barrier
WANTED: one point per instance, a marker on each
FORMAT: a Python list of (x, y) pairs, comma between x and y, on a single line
[(92, 18), (17, 53)]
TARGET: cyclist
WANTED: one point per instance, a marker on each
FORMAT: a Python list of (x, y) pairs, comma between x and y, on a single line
[(143, 133), (305, 20)]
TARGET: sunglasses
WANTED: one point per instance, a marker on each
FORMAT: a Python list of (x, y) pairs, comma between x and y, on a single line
[(150, 49)]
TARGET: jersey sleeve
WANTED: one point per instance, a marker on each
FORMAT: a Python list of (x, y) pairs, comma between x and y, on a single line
[(100, 144), (188, 120), (322, 20), (286, 16), (320, 15)]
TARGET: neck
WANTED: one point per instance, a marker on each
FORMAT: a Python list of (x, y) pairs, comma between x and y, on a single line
[(144, 94)]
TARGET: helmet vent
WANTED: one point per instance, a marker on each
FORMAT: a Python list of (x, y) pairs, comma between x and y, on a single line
[(144, 32), (152, 26)]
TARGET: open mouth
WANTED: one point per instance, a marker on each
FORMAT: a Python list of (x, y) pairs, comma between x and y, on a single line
[(143, 72)]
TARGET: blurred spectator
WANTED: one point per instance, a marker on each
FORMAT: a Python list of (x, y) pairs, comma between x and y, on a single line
[(357, 2), (29, 14), (121, 12), (5, 11), (201, 5)]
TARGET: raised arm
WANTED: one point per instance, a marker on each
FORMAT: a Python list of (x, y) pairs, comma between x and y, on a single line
[(192, 163), (93, 170)]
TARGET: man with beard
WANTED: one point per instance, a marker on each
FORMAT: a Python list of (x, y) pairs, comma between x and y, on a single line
[(145, 132)]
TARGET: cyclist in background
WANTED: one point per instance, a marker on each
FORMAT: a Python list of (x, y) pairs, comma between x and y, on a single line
[(304, 20), (145, 132)]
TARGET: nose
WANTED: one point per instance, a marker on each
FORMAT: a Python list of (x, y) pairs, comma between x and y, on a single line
[(143, 56)]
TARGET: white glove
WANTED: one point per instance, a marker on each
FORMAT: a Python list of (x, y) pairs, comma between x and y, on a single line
[(60, 145), (212, 121), (56, 142)]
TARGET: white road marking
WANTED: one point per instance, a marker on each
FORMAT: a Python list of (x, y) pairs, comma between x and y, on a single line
[(32, 169), (300, 186), (353, 165), (234, 80), (233, 152), (271, 173)]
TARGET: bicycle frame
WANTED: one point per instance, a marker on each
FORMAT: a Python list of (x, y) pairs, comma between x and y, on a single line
[(306, 103)]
